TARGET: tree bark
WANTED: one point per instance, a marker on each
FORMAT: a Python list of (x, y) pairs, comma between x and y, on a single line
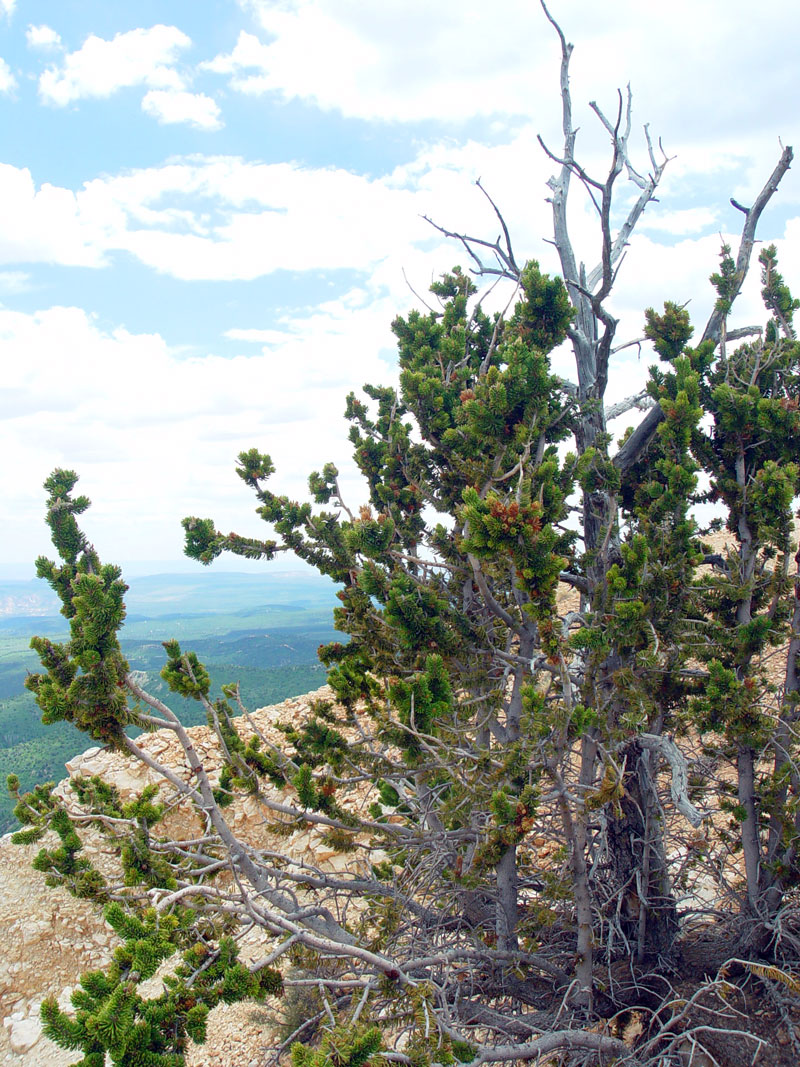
[(645, 905)]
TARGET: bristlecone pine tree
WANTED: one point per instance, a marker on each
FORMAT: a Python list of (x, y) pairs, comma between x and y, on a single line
[(645, 726)]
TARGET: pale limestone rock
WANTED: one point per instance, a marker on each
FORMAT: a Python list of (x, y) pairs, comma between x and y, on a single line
[(336, 862), (23, 1034), (34, 930), (127, 777), (83, 758)]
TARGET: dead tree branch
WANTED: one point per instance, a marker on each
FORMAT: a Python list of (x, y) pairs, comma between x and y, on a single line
[(640, 400)]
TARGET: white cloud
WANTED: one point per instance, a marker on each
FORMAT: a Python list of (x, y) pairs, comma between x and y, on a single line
[(14, 281), (248, 54), (7, 80), (680, 222), (258, 337), (82, 397), (789, 258), (45, 225), (227, 218), (224, 218), (378, 66), (8, 6), (409, 60), (99, 68), (50, 224), (217, 218), (44, 37), (177, 106)]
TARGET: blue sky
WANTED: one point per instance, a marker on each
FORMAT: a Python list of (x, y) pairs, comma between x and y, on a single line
[(210, 210)]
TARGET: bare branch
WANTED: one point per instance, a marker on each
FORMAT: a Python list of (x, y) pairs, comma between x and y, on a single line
[(437, 314), (641, 400), (557, 1041), (639, 440), (637, 341), (713, 328), (560, 185), (577, 581), (743, 331), (497, 212), (505, 256), (680, 774)]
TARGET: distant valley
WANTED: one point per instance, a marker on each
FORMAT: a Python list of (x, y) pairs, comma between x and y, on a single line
[(260, 630)]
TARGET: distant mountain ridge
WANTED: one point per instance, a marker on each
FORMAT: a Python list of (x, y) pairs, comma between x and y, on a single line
[(204, 592), (25, 602)]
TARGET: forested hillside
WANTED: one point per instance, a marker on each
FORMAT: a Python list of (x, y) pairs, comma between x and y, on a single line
[(262, 632)]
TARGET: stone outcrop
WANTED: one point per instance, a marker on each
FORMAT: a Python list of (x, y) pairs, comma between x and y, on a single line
[(48, 938)]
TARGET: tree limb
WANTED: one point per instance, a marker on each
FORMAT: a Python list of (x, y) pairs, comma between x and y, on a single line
[(713, 328), (679, 786), (641, 400), (557, 1041)]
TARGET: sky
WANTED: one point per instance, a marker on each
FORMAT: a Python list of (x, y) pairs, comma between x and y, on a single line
[(211, 213)]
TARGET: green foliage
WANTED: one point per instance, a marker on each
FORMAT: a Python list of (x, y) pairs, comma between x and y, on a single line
[(421, 700), (544, 314), (85, 678), (111, 1016), (726, 280), (342, 1047), (776, 296), (183, 673), (669, 332)]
